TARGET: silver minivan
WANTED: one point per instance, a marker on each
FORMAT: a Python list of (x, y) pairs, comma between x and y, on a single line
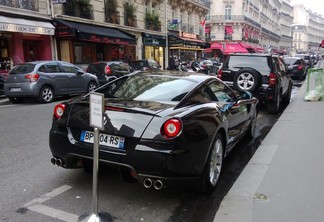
[(47, 79)]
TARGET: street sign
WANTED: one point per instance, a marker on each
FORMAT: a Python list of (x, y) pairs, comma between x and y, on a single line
[(96, 110), (58, 1)]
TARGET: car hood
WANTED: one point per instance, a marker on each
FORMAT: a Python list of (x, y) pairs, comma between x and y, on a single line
[(121, 117)]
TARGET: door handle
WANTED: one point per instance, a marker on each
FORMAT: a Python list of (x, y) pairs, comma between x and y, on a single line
[(70, 76), (52, 76)]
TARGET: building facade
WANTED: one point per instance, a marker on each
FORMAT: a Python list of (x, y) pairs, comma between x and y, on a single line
[(307, 30), (26, 32), (124, 30), (253, 25), (85, 31)]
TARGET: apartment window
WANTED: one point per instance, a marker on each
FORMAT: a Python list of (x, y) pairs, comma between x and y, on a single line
[(299, 37), (228, 12)]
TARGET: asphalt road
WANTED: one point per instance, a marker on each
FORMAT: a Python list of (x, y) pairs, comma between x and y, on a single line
[(34, 190)]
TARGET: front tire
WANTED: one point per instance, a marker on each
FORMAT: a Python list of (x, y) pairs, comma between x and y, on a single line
[(46, 94), (213, 165), (286, 98), (92, 86)]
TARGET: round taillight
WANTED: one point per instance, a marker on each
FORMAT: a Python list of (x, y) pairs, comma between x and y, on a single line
[(171, 128), (59, 110)]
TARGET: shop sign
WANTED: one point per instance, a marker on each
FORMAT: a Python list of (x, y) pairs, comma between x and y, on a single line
[(26, 29), (64, 31), (154, 40), (102, 39), (188, 35), (175, 41), (58, 1)]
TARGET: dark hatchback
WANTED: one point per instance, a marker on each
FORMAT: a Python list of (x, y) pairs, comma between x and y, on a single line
[(262, 74), (160, 128), (296, 67), (108, 70)]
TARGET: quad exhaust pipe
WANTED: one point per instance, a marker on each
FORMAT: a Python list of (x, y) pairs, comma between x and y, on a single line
[(157, 184), (56, 161)]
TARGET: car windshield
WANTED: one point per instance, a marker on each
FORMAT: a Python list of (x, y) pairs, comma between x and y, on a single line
[(22, 69), (257, 62), (153, 88)]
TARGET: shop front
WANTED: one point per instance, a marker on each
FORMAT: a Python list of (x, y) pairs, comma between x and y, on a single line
[(186, 46), (153, 46), (23, 40), (81, 43)]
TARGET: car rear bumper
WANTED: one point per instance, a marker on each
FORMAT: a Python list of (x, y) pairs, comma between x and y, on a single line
[(21, 89), (146, 162)]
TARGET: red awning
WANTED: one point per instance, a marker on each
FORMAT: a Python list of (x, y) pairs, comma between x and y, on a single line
[(229, 30), (228, 48), (234, 47), (251, 47), (207, 29)]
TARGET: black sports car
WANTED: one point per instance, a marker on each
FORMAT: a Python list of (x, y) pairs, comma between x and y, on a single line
[(159, 128)]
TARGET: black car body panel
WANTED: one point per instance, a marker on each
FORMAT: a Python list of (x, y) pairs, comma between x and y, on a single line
[(296, 67), (138, 120)]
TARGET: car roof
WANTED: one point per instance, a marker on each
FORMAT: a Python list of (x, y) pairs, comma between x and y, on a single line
[(254, 54)]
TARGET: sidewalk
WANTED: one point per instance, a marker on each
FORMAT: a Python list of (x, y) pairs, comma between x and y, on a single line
[(284, 180)]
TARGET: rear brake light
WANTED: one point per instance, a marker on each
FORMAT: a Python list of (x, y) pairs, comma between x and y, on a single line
[(171, 128), (300, 67), (32, 77), (107, 70), (220, 74), (272, 79), (59, 110)]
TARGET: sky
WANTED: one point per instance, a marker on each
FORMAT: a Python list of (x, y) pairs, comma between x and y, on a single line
[(314, 5)]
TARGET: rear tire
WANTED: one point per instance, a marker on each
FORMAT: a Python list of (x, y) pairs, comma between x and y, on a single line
[(87, 166), (286, 98), (92, 86), (16, 100), (213, 165), (274, 106), (46, 94)]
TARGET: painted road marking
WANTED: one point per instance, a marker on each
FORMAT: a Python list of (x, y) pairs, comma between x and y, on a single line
[(51, 212), (36, 206)]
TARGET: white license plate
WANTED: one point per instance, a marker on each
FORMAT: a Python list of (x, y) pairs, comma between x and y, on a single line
[(15, 89), (104, 139)]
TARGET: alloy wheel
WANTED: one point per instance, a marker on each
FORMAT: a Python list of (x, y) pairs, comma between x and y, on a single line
[(47, 94), (245, 81), (216, 162)]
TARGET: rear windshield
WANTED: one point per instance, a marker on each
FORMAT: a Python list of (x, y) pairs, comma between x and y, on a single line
[(22, 69), (258, 63), (138, 64), (154, 88), (290, 61)]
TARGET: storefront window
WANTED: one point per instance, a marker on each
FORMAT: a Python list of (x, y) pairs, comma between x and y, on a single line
[(5, 60), (83, 53)]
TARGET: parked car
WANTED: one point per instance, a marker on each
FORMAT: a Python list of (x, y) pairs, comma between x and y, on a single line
[(144, 65), (46, 79), (2, 80), (108, 70), (159, 128), (307, 59), (262, 74), (296, 67), (210, 67)]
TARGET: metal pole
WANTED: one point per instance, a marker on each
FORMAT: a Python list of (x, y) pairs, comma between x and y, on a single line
[(95, 217), (166, 35)]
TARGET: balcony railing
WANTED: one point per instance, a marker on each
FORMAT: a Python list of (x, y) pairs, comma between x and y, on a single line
[(112, 18), (31, 5), (76, 9)]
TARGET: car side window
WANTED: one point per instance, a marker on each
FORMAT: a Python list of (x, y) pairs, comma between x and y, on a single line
[(53, 68), (274, 65), (69, 68), (42, 69), (221, 92)]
